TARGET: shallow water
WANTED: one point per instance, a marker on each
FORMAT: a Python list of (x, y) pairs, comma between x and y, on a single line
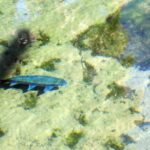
[(135, 18), (105, 104)]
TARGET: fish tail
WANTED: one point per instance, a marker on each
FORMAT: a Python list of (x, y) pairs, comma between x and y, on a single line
[(3, 81)]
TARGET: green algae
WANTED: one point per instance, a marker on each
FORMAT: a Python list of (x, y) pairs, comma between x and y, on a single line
[(88, 72), (54, 134), (112, 143), (30, 101), (127, 61), (134, 109), (50, 64), (82, 118), (73, 138), (43, 38), (2, 133), (107, 39), (116, 91)]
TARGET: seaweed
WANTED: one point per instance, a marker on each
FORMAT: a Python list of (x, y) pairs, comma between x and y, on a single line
[(113, 143), (50, 64), (113, 19), (127, 61), (2, 133), (30, 102), (117, 91), (106, 39), (73, 138), (134, 109), (88, 72), (81, 118), (55, 133), (43, 38)]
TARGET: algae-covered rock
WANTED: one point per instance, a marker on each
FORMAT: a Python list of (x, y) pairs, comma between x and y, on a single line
[(107, 39), (73, 138)]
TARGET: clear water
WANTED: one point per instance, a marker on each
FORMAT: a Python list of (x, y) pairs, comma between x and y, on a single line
[(102, 52)]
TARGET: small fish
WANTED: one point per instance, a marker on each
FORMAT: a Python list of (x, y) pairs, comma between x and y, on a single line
[(47, 83)]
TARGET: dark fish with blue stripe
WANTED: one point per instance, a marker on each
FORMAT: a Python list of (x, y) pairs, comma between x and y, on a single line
[(47, 83)]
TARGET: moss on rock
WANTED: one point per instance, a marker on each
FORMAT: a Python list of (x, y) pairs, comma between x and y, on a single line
[(88, 72), (106, 39), (30, 101), (114, 144), (73, 138)]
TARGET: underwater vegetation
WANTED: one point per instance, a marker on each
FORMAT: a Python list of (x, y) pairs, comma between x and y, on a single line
[(30, 102), (107, 39), (55, 133), (73, 138), (2, 133), (43, 38), (88, 72), (50, 64), (116, 91), (134, 109), (114, 144), (127, 61), (81, 118)]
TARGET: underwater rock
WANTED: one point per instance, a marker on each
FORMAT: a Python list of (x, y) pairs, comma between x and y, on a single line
[(107, 39)]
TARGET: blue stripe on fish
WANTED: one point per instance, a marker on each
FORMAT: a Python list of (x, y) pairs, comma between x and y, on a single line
[(39, 80), (31, 86), (48, 83)]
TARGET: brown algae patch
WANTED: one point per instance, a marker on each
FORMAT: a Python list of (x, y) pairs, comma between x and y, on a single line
[(30, 101), (107, 39), (43, 38), (112, 143), (127, 61), (88, 72), (118, 91), (50, 64), (73, 138)]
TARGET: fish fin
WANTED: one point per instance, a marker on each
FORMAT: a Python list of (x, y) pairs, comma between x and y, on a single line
[(12, 83), (31, 86), (49, 88)]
